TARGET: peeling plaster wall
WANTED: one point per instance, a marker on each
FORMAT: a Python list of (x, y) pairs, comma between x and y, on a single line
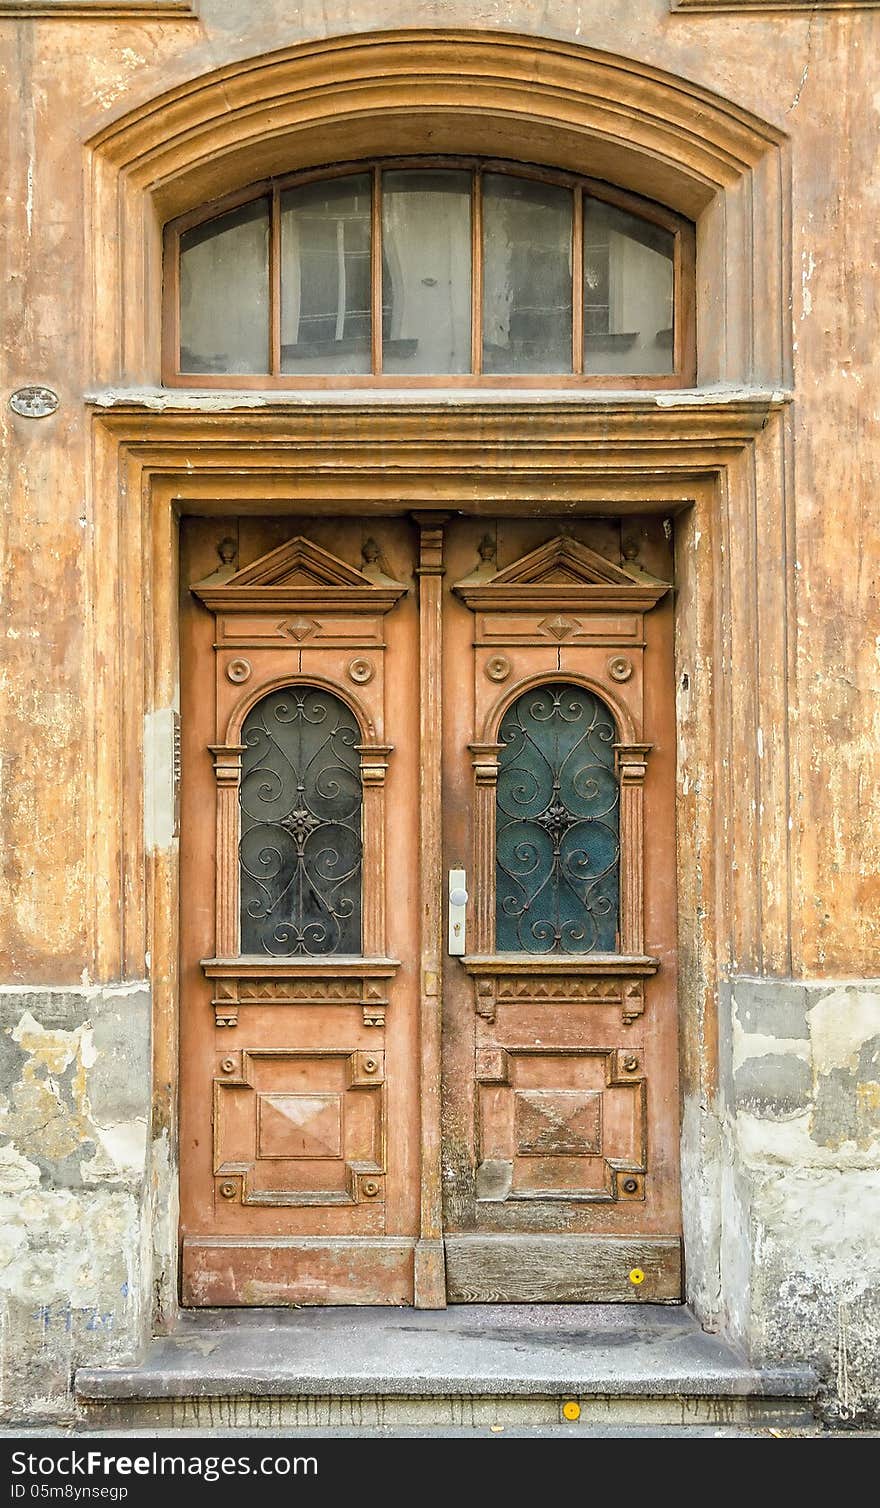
[(811, 74), (801, 1190), (781, 1170), (74, 1241)]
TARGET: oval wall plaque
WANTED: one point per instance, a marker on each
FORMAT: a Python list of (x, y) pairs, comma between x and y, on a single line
[(33, 402)]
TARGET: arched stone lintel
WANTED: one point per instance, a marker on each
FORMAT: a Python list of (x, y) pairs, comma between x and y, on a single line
[(415, 68), (383, 93)]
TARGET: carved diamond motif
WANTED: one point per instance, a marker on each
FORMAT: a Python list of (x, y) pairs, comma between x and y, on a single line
[(301, 1127), (561, 1124), (298, 628), (558, 627)]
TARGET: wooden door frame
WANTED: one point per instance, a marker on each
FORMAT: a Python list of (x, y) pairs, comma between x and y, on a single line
[(713, 466)]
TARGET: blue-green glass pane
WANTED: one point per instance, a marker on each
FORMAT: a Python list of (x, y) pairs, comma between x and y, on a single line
[(557, 825), (301, 845)]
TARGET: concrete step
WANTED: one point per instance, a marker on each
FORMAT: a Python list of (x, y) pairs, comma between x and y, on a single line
[(467, 1366)]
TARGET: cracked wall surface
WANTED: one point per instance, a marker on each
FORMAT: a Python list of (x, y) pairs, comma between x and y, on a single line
[(781, 1171), (802, 1198), (74, 1112)]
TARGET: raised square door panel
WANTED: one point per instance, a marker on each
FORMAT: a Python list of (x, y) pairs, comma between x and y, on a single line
[(300, 1128), (558, 1124)]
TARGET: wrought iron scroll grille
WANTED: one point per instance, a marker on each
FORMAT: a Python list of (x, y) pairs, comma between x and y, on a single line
[(301, 850), (557, 825)]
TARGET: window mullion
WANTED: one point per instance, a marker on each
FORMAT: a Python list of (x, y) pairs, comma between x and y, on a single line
[(577, 284), (678, 354), (376, 273), (477, 273), (275, 282)]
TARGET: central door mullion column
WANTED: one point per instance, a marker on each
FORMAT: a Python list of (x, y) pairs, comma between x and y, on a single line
[(430, 1267)]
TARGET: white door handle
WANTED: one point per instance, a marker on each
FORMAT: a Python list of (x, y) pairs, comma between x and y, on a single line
[(458, 899)]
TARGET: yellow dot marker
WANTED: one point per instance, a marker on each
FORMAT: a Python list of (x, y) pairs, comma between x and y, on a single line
[(571, 1410), (637, 1276)]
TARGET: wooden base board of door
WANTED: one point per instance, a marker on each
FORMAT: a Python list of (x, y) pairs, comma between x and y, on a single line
[(490, 1269), (299, 1270), (429, 1282), (523, 1269)]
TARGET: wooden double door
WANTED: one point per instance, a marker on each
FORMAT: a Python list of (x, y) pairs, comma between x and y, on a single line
[(428, 1044)]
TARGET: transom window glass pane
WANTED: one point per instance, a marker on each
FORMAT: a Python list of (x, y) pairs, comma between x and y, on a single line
[(325, 276), (301, 802), (557, 825), (454, 272), (527, 313), (224, 292), (628, 292), (426, 271)]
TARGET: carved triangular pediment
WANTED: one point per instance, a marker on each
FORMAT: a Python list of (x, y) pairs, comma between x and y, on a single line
[(299, 574), (562, 561), (299, 562), (562, 572)]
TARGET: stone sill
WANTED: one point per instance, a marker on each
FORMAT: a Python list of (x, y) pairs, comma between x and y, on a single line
[(221, 400), (600, 1350)]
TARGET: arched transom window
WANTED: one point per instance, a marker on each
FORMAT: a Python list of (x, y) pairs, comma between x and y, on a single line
[(442, 271)]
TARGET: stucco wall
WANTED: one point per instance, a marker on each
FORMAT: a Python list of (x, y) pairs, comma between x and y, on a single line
[(75, 1259), (801, 1075), (793, 1139)]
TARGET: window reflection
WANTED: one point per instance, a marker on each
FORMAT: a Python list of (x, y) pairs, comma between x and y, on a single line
[(325, 276), (224, 292), (527, 302), (426, 271), (628, 292)]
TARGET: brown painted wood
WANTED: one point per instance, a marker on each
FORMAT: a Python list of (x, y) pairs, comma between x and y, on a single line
[(539, 1091), (260, 1270), (530, 381), (430, 1287), (560, 1072), (299, 1088)]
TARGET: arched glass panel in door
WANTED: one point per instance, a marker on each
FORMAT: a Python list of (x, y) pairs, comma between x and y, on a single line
[(300, 853), (557, 824)]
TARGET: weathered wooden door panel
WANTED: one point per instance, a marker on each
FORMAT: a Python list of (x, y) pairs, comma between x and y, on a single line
[(308, 1075), (299, 1109), (543, 1269), (560, 1098)]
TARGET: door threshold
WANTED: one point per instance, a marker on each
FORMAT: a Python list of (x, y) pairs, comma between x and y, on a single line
[(649, 1362)]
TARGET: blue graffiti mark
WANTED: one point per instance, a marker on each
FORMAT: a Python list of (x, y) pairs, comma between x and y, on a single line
[(65, 1315)]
